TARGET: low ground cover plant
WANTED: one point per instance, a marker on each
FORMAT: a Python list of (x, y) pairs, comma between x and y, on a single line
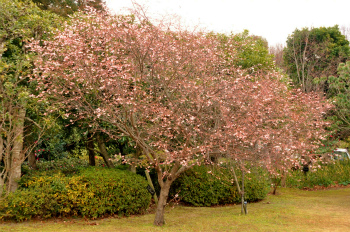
[(92, 193)]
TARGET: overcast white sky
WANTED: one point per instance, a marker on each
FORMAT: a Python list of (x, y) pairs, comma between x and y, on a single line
[(271, 19)]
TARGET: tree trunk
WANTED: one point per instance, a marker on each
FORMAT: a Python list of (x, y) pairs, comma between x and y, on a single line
[(163, 197), (17, 156), (133, 163), (283, 179), (2, 185), (133, 167), (244, 205), (241, 191), (103, 151), (90, 148), (2, 156), (32, 161), (151, 184)]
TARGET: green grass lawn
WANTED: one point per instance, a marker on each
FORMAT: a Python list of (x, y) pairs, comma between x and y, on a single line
[(290, 210)]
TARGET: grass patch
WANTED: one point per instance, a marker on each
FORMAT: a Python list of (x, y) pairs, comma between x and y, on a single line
[(290, 210)]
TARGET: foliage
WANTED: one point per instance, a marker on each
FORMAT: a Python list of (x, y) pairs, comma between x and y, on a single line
[(20, 114), (325, 175), (203, 186), (314, 53), (19, 23), (62, 141), (340, 90), (246, 51), (268, 124), (65, 166), (67, 7), (93, 193)]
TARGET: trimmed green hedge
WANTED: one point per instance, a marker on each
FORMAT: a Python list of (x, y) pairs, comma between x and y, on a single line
[(326, 175), (200, 188), (92, 193)]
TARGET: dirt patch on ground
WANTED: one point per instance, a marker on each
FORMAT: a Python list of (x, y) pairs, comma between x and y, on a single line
[(331, 187)]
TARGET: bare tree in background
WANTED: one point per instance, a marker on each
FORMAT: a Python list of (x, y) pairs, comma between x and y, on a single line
[(277, 51), (345, 30), (312, 53)]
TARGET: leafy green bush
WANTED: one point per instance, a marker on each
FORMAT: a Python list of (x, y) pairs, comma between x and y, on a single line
[(129, 189), (327, 175), (204, 186), (92, 193), (67, 166)]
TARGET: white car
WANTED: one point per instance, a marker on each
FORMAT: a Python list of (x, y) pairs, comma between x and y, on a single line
[(341, 154)]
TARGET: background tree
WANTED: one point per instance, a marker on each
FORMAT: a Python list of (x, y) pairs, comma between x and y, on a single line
[(313, 53), (19, 22), (277, 51), (248, 52), (345, 30), (339, 88), (66, 138), (67, 7)]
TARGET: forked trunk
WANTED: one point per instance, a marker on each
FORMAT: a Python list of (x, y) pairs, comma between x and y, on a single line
[(103, 151), (163, 197)]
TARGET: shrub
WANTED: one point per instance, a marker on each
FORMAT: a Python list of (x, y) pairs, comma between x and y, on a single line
[(200, 188), (129, 189), (67, 166), (338, 172), (92, 193)]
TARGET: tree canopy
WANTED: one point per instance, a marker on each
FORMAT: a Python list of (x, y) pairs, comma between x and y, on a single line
[(19, 24), (314, 53), (339, 86), (68, 7), (173, 93), (248, 52)]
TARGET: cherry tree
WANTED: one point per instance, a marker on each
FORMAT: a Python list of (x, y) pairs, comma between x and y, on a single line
[(152, 84), (270, 125), (171, 91)]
